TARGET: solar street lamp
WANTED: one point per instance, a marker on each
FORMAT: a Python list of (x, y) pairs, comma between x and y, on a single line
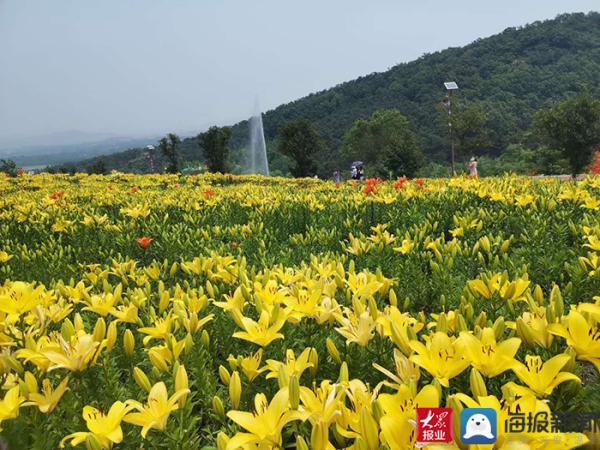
[(451, 86), (150, 156)]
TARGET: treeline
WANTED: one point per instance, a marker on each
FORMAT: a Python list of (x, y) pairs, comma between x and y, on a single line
[(507, 77)]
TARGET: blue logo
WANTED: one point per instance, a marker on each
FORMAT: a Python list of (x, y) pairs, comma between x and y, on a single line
[(478, 426)]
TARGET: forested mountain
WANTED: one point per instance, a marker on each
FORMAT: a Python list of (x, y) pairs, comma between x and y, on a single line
[(512, 74)]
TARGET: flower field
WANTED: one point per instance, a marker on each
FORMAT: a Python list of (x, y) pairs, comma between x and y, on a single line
[(211, 311)]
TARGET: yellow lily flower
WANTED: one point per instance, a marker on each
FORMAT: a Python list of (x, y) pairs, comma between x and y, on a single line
[(251, 364), (106, 427), (291, 365), (9, 406), (406, 371), (538, 324), (541, 377), (261, 333), (155, 413), (20, 298), (487, 356), (102, 304), (397, 423), (357, 329), (584, 338), (265, 423), (441, 358), (76, 355), (161, 329), (47, 401)]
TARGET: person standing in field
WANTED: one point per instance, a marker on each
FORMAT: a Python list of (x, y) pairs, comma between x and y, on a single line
[(354, 173), (473, 166), (336, 175)]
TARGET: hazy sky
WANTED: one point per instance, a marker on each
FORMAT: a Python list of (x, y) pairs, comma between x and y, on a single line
[(149, 67)]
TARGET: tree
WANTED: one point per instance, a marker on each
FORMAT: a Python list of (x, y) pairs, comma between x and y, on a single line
[(169, 146), (385, 144), (573, 127), (99, 166), (8, 167), (300, 140), (215, 147), (466, 125)]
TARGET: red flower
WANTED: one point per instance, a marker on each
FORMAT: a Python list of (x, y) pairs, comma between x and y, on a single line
[(175, 185), (133, 190), (419, 182), (209, 193), (144, 241), (57, 194), (236, 245), (338, 184), (20, 172), (400, 183), (110, 186), (8, 175)]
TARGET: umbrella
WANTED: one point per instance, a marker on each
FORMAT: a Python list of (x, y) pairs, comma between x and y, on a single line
[(357, 163)]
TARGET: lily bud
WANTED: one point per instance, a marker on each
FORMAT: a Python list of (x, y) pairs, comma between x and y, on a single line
[(333, 351), (301, 443), (129, 343), (377, 411), (369, 430), (344, 377), (373, 309), (559, 305), (469, 311), (222, 441), (435, 383), (457, 407), (189, 343), (319, 437), (158, 361), (410, 331), (538, 295), (181, 382), (571, 364), (393, 298), (31, 383), (235, 390), (442, 323), (461, 324), (421, 317), (313, 357), (141, 379), (111, 336), (283, 378), (294, 390), (499, 328), (99, 330), (525, 333), (406, 303), (481, 319), (205, 339), (67, 330), (412, 385), (165, 299), (399, 339), (224, 375), (218, 408), (92, 442), (477, 384), (15, 364)]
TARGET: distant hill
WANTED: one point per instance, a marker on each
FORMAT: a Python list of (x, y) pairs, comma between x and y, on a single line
[(513, 73)]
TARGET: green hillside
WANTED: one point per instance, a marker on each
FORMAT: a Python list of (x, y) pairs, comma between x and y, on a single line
[(513, 74)]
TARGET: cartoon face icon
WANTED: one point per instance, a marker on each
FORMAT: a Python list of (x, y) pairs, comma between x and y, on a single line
[(478, 425)]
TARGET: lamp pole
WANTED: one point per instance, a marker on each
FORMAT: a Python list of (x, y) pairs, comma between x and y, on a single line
[(451, 87), (451, 136)]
